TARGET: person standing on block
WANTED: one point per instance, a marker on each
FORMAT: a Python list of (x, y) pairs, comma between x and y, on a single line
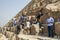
[(23, 20), (14, 21), (50, 23)]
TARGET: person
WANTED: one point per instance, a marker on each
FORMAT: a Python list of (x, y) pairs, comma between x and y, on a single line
[(23, 20), (38, 18), (28, 25), (14, 21), (50, 22), (39, 14), (18, 27)]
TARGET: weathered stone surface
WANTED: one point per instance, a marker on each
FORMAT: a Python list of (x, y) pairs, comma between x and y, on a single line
[(45, 30), (3, 37), (9, 34), (33, 37), (53, 7), (57, 28), (35, 29)]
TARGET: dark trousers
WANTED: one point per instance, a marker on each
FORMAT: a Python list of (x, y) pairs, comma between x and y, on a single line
[(18, 30), (50, 31)]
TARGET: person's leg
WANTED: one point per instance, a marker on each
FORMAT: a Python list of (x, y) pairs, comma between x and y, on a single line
[(18, 29), (49, 34), (52, 33)]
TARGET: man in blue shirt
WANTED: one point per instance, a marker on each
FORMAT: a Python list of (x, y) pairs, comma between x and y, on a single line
[(23, 20), (50, 22)]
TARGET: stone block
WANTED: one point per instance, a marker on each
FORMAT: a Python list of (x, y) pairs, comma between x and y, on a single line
[(3, 37), (35, 29), (57, 28)]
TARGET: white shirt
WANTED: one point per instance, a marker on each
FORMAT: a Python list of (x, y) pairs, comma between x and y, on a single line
[(50, 21), (28, 24), (14, 21)]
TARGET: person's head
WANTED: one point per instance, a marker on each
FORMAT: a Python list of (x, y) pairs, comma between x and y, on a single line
[(49, 14)]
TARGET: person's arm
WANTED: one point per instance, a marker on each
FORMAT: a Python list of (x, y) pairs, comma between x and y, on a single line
[(52, 20)]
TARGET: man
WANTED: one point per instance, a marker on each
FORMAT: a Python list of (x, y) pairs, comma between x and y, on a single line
[(38, 18), (28, 25), (50, 22), (39, 23), (23, 20), (14, 21)]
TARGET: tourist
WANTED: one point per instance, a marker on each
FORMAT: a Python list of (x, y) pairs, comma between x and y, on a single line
[(18, 27), (39, 14), (23, 20), (28, 25), (14, 21), (38, 18), (50, 22)]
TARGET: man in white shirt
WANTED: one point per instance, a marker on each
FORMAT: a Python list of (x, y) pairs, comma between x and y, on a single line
[(14, 21), (28, 25), (50, 22), (23, 20)]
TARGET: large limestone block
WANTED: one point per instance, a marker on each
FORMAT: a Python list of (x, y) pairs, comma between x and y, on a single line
[(4, 29), (53, 7), (57, 28), (15, 37), (9, 34), (13, 29), (35, 29), (34, 37), (43, 18), (2, 37), (45, 30)]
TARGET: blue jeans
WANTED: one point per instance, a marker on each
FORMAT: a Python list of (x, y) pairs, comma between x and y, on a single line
[(50, 31)]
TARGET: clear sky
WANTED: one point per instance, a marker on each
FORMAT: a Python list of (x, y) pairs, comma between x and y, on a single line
[(9, 8)]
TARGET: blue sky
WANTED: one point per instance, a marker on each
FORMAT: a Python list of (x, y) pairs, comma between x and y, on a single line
[(9, 8)]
